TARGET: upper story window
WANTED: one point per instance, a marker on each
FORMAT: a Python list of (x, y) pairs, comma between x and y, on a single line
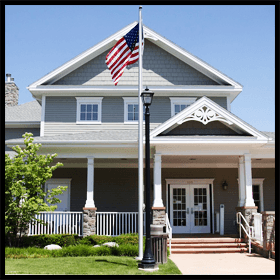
[(89, 110), (180, 103), (131, 110)]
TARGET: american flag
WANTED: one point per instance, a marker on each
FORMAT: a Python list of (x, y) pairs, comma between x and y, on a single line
[(125, 52)]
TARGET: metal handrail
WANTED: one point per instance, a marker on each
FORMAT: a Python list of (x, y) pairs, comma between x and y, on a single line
[(249, 234), (169, 231)]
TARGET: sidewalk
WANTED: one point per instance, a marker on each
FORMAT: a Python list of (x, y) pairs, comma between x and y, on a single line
[(221, 264)]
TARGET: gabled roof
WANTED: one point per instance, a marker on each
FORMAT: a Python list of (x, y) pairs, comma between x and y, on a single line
[(29, 112), (224, 81), (205, 110)]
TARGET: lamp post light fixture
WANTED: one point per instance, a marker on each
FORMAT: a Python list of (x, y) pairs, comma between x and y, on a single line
[(148, 261)]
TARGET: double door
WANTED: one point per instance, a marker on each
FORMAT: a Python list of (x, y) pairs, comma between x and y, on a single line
[(190, 208)]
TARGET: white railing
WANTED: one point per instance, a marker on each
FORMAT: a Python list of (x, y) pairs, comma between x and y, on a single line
[(116, 223), (169, 231), (249, 234), (257, 229), (57, 223)]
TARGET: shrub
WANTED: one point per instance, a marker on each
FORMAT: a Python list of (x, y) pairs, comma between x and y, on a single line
[(72, 251), (43, 240)]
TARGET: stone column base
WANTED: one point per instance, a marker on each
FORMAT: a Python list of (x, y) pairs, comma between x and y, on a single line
[(158, 215), (268, 223), (247, 212), (89, 221)]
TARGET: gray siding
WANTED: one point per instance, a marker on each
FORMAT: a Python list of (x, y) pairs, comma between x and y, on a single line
[(159, 68), (60, 114), (13, 133), (119, 190)]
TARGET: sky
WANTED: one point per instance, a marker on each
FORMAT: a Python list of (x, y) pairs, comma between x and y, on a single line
[(238, 40)]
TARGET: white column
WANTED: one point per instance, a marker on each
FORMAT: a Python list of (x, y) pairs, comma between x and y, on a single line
[(157, 182), (90, 183), (249, 201), (241, 177)]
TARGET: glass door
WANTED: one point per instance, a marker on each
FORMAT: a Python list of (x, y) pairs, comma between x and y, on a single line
[(190, 209)]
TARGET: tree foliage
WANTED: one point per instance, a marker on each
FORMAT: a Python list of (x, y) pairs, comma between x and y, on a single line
[(25, 175)]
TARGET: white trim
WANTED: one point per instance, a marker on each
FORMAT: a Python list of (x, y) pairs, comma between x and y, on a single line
[(42, 125), (228, 104), (61, 182), (180, 101), (89, 100), (188, 181), (164, 165), (259, 182)]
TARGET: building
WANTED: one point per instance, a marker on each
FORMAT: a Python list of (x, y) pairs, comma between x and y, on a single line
[(202, 155)]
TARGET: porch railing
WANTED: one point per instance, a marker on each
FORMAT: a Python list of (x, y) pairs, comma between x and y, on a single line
[(116, 223), (257, 229), (239, 218), (169, 231), (57, 223)]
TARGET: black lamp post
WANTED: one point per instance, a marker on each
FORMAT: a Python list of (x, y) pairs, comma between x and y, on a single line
[(148, 261)]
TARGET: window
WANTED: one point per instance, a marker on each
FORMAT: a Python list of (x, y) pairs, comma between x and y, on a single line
[(131, 110), (257, 189), (180, 103), (88, 110)]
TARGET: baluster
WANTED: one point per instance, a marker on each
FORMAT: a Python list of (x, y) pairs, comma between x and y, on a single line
[(129, 216), (106, 223), (122, 224), (110, 225), (119, 226)]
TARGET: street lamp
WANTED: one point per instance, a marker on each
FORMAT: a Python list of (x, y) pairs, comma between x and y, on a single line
[(148, 261)]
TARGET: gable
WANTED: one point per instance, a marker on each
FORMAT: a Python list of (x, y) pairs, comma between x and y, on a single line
[(197, 128), (159, 68), (205, 118)]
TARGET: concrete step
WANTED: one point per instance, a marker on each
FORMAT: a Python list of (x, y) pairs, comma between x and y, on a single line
[(208, 245), (205, 240), (208, 250)]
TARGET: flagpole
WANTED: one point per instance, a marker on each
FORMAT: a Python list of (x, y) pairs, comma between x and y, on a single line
[(140, 145)]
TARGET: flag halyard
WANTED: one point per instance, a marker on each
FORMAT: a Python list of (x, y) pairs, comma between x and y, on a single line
[(125, 52)]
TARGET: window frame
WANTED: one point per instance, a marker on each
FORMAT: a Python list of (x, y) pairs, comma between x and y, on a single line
[(259, 182), (180, 101), (92, 101), (131, 101)]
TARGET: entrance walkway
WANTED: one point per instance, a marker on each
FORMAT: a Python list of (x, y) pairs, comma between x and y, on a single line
[(224, 264)]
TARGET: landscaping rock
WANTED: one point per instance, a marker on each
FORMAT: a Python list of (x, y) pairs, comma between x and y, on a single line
[(111, 244), (96, 246), (52, 247)]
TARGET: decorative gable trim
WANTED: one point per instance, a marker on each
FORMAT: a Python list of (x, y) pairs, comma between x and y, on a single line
[(205, 110), (205, 115)]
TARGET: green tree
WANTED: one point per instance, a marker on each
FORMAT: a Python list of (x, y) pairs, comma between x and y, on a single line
[(25, 175)]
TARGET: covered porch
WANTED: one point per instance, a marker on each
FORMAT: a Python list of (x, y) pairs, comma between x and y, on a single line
[(103, 193)]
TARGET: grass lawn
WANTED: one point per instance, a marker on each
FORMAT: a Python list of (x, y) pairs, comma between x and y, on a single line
[(93, 265)]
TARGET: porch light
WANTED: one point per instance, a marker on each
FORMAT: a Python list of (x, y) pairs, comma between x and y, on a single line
[(147, 97), (225, 185)]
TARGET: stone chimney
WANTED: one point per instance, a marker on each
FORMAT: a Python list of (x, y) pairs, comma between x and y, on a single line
[(11, 92)]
